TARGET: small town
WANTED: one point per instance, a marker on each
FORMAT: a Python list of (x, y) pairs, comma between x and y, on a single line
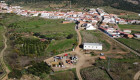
[(83, 43)]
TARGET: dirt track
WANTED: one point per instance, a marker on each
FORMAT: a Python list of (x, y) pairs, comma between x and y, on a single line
[(137, 75), (2, 55), (81, 56)]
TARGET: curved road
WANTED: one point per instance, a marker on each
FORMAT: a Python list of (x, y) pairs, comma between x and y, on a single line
[(137, 75), (6, 70)]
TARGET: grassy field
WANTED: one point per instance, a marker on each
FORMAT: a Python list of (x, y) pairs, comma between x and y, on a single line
[(132, 43), (94, 73), (126, 26), (64, 75), (94, 37)]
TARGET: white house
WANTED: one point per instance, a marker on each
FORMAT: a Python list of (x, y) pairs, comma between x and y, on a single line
[(127, 31), (137, 35), (90, 27), (92, 46)]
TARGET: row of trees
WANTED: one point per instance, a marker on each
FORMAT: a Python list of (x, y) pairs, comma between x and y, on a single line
[(26, 46)]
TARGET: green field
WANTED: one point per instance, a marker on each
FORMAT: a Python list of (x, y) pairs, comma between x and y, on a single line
[(132, 43), (95, 37), (130, 16), (127, 26)]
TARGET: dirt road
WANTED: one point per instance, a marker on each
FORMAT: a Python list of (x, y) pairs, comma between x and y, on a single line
[(137, 76), (6, 70), (82, 58)]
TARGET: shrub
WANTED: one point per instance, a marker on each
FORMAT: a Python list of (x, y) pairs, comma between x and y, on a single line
[(15, 74), (69, 36)]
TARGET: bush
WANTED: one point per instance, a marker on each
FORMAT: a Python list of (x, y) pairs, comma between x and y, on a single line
[(39, 68), (36, 34), (42, 36), (15, 74), (69, 36)]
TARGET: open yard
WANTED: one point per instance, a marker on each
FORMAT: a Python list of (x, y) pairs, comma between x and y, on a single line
[(128, 26), (132, 43)]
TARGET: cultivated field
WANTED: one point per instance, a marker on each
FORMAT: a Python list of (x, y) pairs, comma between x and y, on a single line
[(120, 66), (128, 26), (26, 44), (123, 68), (132, 43), (94, 73), (52, 29), (1, 37), (64, 75)]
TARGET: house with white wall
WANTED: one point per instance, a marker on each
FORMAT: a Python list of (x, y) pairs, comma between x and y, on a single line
[(92, 46), (89, 26)]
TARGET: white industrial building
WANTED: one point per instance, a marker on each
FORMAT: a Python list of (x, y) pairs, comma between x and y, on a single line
[(92, 46)]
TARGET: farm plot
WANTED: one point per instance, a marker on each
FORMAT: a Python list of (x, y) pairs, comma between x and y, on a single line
[(128, 26), (132, 43), (121, 69), (1, 37), (64, 75), (94, 73)]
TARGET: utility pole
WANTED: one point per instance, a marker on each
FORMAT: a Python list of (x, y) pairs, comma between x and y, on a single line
[(108, 64)]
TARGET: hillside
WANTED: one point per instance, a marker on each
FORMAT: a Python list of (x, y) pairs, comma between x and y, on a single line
[(129, 5)]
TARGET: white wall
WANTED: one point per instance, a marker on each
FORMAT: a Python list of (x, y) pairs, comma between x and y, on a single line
[(92, 47)]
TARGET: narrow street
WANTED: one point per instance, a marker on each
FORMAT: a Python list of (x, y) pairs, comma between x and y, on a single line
[(5, 68)]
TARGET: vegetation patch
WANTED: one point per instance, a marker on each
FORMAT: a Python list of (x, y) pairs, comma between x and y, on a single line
[(132, 43), (64, 75), (94, 73), (118, 68), (25, 46), (1, 37), (129, 26)]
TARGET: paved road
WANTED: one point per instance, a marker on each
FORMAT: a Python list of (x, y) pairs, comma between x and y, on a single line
[(6, 70)]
